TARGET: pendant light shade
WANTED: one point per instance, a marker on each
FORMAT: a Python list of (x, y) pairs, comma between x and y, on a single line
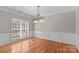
[(35, 21), (41, 20)]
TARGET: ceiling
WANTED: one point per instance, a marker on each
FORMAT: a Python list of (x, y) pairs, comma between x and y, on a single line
[(44, 10)]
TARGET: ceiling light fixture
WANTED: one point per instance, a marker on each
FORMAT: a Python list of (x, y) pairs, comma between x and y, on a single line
[(38, 19)]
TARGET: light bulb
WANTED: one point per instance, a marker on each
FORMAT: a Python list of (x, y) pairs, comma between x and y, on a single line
[(41, 20), (35, 21)]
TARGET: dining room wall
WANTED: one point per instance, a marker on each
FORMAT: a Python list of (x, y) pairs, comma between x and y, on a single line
[(59, 27)]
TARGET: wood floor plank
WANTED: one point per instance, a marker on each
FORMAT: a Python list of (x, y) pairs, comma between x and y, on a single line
[(38, 45)]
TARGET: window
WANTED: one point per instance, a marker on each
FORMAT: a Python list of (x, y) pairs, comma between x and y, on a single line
[(19, 28)]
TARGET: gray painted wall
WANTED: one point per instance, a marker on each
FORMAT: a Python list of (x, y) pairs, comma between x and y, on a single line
[(5, 18), (77, 27), (64, 22), (59, 27)]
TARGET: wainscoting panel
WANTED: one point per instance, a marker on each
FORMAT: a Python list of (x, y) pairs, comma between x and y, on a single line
[(58, 36)]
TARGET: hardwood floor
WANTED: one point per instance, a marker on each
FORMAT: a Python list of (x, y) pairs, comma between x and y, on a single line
[(47, 46), (37, 45)]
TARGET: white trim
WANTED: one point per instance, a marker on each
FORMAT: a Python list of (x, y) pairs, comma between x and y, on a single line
[(60, 13)]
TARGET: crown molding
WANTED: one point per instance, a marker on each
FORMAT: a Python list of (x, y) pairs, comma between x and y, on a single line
[(5, 9), (59, 13), (8, 10)]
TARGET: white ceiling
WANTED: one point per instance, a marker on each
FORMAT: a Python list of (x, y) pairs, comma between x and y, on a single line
[(44, 10)]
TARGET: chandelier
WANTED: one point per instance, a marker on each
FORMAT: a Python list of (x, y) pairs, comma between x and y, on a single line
[(38, 19)]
